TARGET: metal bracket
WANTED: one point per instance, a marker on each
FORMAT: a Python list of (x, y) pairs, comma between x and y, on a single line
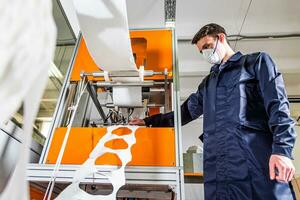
[(92, 92)]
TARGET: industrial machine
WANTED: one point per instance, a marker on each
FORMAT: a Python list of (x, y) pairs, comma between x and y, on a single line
[(155, 171)]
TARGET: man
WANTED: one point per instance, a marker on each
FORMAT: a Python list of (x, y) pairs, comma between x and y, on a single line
[(248, 133)]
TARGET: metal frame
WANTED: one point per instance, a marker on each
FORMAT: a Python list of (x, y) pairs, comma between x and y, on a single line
[(170, 11), (172, 176), (134, 175), (177, 120), (68, 24), (60, 103)]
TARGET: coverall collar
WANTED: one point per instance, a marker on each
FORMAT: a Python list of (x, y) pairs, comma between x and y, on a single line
[(235, 57)]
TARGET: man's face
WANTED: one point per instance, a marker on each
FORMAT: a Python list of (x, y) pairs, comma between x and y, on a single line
[(214, 46), (207, 42)]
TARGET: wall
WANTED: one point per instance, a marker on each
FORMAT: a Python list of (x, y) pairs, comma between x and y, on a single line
[(296, 152)]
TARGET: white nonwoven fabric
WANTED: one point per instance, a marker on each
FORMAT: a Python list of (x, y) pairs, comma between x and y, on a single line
[(104, 26), (116, 177), (27, 43)]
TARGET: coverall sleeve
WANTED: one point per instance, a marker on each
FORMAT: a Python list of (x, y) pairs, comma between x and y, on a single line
[(276, 104), (191, 109)]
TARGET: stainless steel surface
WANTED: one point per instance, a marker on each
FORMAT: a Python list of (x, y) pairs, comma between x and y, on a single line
[(93, 94), (81, 116), (122, 73), (71, 92), (10, 142)]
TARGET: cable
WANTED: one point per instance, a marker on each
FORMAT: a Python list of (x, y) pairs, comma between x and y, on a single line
[(81, 87), (130, 112), (249, 5), (107, 116)]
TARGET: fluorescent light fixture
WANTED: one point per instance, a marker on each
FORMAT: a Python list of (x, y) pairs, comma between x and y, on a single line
[(54, 71)]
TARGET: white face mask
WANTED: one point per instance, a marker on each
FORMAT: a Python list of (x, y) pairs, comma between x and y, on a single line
[(211, 55)]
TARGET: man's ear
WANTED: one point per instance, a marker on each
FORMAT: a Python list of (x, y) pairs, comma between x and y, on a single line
[(222, 37)]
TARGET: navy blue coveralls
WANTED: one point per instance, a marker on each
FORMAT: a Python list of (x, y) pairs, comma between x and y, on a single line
[(246, 119)]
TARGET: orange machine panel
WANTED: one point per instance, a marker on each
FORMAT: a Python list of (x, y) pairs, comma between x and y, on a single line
[(37, 194), (83, 62), (159, 49), (154, 111), (158, 54), (154, 146)]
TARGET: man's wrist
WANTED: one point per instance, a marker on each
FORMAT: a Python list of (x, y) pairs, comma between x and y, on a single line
[(283, 151), (147, 121)]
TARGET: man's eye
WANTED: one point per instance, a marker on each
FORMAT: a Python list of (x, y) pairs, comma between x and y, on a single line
[(204, 47), (207, 46)]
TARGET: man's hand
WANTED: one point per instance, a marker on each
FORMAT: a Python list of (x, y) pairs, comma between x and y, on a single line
[(137, 121), (281, 168)]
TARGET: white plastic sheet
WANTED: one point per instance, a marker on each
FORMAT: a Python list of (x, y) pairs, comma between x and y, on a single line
[(116, 177), (104, 26), (27, 41), (127, 96)]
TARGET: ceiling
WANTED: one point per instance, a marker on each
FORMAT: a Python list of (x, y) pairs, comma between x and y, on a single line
[(245, 17), (264, 16), (145, 14)]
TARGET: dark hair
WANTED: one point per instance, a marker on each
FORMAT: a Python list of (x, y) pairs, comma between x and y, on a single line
[(209, 29)]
